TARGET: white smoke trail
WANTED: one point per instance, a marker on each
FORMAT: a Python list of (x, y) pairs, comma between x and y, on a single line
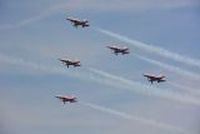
[(171, 68), (134, 118), (144, 89), (41, 68), (27, 64), (154, 49), (21, 62), (104, 78), (185, 88), (70, 4), (28, 20)]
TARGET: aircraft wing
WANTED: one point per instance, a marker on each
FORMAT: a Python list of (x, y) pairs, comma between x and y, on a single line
[(161, 80), (59, 97), (149, 76), (72, 19)]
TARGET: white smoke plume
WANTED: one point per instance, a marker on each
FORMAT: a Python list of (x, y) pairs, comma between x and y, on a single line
[(140, 88), (153, 49), (190, 90), (171, 68), (134, 118), (91, 74)]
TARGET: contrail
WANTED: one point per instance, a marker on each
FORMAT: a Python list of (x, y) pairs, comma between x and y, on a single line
[(133, 118), (175, 69), (90, 74), (140, 88), (153, 49)]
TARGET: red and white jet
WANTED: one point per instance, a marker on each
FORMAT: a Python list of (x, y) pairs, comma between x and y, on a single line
[(116, 49), (68, 62), (158, 78), (64, 99), (77, 22)]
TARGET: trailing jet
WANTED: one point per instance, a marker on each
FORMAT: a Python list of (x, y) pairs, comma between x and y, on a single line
[(117, 49), (64, 99), (157, 78), (77, 22), (68, 62)]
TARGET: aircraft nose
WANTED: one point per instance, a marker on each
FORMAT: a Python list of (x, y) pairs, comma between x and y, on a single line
[(108, 46), (57, 96)]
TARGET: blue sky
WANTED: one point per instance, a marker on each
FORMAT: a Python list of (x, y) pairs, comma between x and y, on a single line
[(114, 97)]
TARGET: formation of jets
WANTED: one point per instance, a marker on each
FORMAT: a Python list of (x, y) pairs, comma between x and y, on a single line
[(114, 48), (77, 22)]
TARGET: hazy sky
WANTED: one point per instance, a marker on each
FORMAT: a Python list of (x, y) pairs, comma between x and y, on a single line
[(114, 98)]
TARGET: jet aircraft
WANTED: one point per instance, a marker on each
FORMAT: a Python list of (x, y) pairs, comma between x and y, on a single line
[(68, 62), (116, 49), (64, 99), (158, 78), (77, 22)]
